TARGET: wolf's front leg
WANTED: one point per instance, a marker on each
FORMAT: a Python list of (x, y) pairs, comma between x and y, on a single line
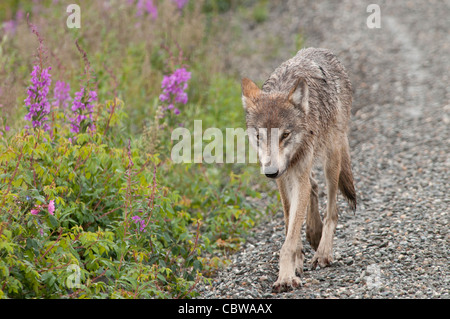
[(291, 256)]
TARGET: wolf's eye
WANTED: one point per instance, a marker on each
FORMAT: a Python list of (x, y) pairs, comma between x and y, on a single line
[(285, 135)]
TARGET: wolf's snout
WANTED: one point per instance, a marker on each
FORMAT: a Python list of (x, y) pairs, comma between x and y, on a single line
[(274, 175), (271, 172)]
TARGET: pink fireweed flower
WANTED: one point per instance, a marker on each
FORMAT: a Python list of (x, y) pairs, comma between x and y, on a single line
[(35, 211), (181, 3), (146, 6), (139, 221), (82, 108), (37, 101), (61, 94), (174, 87), (20, 15), (51, 207), (10, 27), (5, 129)]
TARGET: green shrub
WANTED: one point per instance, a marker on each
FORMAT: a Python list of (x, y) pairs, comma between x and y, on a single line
[(113, 221)]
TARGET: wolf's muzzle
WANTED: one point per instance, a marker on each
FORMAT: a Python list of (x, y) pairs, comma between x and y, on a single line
[(270, 171), (274, 175)]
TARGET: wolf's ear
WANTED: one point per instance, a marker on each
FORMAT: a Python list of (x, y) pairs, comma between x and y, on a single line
[(299, 95), (249, 91)]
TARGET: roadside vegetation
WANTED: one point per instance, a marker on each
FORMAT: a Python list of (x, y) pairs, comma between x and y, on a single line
[(92, 206)]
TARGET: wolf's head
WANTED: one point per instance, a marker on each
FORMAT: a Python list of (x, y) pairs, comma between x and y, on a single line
[(276, 124)]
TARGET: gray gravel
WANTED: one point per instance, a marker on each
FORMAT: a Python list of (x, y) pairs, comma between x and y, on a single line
[(396, 245)]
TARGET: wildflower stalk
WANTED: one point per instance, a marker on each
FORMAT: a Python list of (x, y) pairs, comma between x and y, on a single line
[(113, 109), (32, 160), (61, 95), (127, 205), (37, 102), (83, 103), (175, 84), (128, 199), (174, 87)]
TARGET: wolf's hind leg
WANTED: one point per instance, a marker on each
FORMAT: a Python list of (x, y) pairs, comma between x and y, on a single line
[(346, 184), (324, 252), (313, 220)]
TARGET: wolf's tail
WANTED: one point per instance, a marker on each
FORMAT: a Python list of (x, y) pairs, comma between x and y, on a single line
[(346, 180)]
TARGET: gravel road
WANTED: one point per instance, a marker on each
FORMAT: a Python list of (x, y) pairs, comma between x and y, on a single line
[(396, 245)]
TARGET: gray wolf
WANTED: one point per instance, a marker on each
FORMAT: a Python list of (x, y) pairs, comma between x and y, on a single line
[(299, 117)]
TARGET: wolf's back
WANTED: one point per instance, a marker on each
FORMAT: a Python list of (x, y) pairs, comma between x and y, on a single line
[(321, 69)]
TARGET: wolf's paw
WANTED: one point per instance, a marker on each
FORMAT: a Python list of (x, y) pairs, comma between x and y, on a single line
[(322, 260), (282, 285)]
